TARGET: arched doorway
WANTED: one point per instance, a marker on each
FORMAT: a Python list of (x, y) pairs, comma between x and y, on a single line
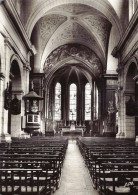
[(14, 113), (131, 102)]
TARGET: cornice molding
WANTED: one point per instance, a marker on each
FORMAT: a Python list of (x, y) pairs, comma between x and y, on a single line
[(111, 76), (9, 6), (9, 42)]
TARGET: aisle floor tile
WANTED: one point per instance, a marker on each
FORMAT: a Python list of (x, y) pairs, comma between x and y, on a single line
[(75, 179)]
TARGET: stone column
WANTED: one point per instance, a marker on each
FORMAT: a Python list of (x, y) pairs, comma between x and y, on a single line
[(110, 110), (136, 99), (46, 107), (2, 77), (67, 107), (120, 104), (2, 84), (26, 73), (94, 101), (5, 70), (64, 103), (100, 110), (82, 106)]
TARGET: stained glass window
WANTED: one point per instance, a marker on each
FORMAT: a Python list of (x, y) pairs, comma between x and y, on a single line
[(73, 98), (87, 102), (58, 101)]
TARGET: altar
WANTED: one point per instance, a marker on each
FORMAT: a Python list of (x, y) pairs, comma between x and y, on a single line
[(72, 130)]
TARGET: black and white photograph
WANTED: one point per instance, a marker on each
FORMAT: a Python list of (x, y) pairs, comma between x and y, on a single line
[(68, 97)]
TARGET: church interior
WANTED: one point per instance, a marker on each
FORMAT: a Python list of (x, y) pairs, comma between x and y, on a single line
[(68, 93)]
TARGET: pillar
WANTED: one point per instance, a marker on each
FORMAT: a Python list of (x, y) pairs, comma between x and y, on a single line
[(6, 53), (110, 109), (2, 77), (64, 103)]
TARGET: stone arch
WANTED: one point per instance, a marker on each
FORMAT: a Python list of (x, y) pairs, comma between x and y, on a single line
[(133, 60), (130, 94), (15, 84), (62, 64), (20, 64)]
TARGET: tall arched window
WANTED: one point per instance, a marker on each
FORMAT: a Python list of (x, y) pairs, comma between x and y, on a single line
[(73, 98), (58, 101), (87, 102)]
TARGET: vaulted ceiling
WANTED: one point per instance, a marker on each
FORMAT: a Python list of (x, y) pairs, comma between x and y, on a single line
[(54, 25), (74, 23)]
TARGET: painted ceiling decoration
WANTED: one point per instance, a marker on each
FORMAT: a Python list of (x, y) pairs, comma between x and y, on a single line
[(76, 51), (47, 25), (40, 8), (73, 31), (73, 23), (100, 28)]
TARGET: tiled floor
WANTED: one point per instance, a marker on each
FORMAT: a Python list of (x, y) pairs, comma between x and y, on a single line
[(75, 179)]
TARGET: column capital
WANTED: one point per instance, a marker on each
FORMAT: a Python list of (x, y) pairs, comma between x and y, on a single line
[(27, 66), (8, 43)]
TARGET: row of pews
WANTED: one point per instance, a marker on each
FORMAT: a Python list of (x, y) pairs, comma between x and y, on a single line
[(31, 166), (112, 164)]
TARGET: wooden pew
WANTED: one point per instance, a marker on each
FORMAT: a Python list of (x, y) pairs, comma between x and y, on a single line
[(24, 181), (105, 176), (123, 182), (95, 153), (54, 168), (45, 154)]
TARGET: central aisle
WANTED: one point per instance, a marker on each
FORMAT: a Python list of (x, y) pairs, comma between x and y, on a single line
[(75, 179)]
